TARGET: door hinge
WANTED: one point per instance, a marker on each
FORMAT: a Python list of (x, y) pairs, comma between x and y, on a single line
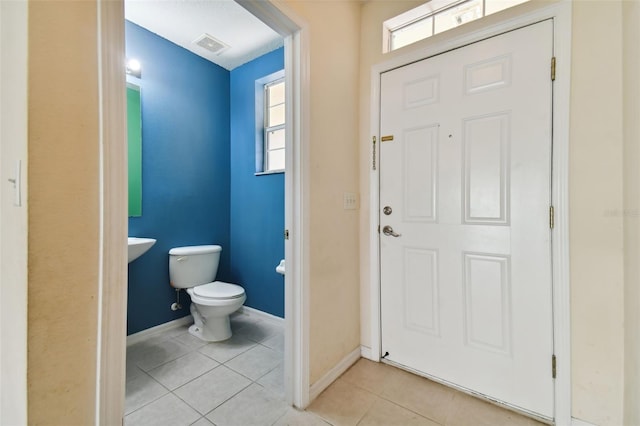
[(551, 217), (553, 366), (373, 164), (553, 69), (286, 234)]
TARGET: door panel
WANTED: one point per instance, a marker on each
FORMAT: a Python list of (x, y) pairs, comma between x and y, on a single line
[(466, 281), (420, 156)]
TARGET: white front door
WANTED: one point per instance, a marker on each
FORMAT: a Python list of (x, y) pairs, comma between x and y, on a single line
[(466, 290)]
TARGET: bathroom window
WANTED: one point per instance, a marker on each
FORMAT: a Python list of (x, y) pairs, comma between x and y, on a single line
[(270, 99), (274, 122)]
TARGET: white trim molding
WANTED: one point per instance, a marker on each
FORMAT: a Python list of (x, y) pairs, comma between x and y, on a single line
[(517, 17), (143, 335), (258, 315), (14, 220), (365, 352), (112, 279), (578, 422), (331, 375), (296, 52)]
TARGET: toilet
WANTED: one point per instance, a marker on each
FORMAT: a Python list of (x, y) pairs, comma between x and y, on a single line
[(194, 268)]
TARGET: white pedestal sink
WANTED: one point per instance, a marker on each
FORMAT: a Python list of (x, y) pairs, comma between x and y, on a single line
[(138, 247)]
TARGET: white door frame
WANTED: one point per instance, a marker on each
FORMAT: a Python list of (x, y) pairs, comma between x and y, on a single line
[(13, 218), (561, 14), (112, 281), (296, 310)]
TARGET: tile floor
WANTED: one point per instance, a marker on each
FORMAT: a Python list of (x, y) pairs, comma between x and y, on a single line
[(175, 379)]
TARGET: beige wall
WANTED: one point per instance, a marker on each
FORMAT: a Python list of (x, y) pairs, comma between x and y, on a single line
[(596, 197), (596, 203), (63, 156), (333, 30), (631, 71), (63, 212)]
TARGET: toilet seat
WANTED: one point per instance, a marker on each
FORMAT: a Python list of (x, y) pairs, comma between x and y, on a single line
[(218, 290)]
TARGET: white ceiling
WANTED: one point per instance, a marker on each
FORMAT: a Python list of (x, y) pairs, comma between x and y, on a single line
[(183, 21)]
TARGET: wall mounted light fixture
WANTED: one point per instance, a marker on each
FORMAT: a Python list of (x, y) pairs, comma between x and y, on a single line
[(134, 68)]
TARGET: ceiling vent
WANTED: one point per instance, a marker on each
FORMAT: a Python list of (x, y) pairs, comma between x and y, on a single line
[(211, 44)]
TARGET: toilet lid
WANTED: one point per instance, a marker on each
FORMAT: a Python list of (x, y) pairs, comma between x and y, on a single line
[(219, 290)]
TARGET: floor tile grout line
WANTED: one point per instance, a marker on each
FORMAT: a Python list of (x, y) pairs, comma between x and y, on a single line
[(257, 342), (200, 418), (379, 395), (268, 372), (156, 335), (279, 418), (235, 356), (151, 377), (175, 359), (367, 410), (323, 418), (173, 391), (237, 372), (269, 338), (152, 401), (166, 362), (225, 401), (196, 350), (454, 392), (189, 334), (197, 377), (209, 412)]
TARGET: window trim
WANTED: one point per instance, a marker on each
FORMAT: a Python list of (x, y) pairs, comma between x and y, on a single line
[(260, 121), (268, 128)]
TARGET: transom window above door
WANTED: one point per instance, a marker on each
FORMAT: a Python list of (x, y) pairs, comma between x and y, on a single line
[(436, 16)]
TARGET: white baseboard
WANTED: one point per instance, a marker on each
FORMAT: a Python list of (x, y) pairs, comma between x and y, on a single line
[(365, 352), (324, 382), (578, 422), (150, 332), (258, 315)]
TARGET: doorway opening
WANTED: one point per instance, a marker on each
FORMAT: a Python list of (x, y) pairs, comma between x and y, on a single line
[(109, 391)]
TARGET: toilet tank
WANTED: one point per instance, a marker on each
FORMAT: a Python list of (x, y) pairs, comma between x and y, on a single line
[(193, 265)]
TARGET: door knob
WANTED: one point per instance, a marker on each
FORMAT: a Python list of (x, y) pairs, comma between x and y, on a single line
[(387, 230)]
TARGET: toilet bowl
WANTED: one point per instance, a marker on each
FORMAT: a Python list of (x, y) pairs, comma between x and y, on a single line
[(194, 268)]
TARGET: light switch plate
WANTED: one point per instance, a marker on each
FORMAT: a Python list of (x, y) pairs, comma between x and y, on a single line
[(350, 201)]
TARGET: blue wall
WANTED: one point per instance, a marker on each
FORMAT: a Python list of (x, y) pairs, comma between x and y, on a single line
[(185, 169), (257, 202), (198, 187)]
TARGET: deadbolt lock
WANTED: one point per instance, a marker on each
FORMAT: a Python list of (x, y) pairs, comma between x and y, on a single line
[(387, 210)]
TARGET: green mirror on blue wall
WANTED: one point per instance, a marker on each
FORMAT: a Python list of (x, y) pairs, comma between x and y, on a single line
[(134, 134)]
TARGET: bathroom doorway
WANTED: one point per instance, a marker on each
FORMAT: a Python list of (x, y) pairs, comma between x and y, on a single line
[(296, 383)]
